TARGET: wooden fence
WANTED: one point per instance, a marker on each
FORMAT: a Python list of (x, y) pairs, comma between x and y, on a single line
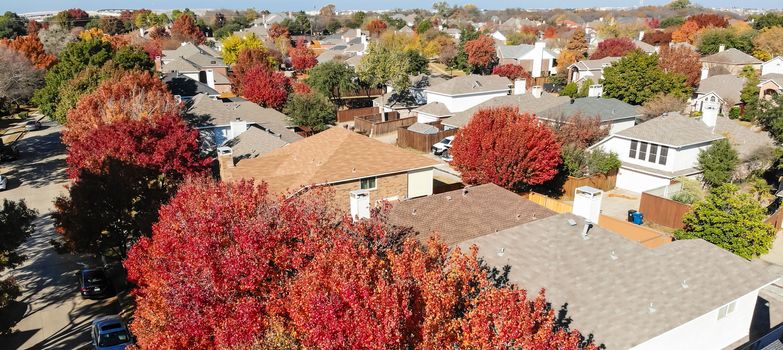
[(362, 93), (549, 203), (603, 182), (373, 126), (421, 142), (347, 115), (663, 211)]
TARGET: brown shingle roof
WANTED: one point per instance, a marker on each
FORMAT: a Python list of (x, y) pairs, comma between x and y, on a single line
[(731, 56), (331, 156), (456, 217)]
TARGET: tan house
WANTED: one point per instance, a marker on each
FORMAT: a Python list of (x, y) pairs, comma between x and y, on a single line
[(729, 61), (346, 161)]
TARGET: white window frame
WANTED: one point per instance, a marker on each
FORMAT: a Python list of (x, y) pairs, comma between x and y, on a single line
[(726, 310)]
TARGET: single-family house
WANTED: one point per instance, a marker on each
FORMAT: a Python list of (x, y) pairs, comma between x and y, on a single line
[(453, 32), (463, 214), (459, 94), (729, 61), (647, 48), (589, 69), (185, 88), (724, 89), (498, 36), (358, 169), (414, 97), (410, 20), (687, 294), (770, 85), (432, 112), (267, 20), (773, 66), (405, 30), (535, 58), (198, 62), (613, 114), (218, 121), (534, 102), (253, 142)]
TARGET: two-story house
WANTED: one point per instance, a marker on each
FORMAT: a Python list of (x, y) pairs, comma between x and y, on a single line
[(771, 78), (729, 61), (198, 62), (459, 94), (535, 58), (589, 69)]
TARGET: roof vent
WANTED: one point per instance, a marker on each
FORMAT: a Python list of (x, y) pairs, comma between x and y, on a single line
[(353, 170), (476, 84), (448, 198), (519, 216), (571, 222), (501, 251), (586, 230), (684, 284), (651, 308), (414, 212), (465, 192), (613, 255)]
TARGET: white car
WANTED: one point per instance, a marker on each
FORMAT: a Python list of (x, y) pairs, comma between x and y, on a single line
[(438, 148), (3, 182)]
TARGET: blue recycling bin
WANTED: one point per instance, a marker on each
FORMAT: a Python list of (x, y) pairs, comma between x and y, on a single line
[(638, 218)]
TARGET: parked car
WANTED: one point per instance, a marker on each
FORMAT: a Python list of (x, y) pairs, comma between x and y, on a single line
[(442, 145), (3, 183), (110, 333), (93, 283), (446, 155), (32, 125)]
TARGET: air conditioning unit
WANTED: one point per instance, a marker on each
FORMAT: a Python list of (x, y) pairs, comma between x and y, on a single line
[(360, 204)]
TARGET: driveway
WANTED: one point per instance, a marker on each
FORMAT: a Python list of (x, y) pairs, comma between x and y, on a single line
[(50, 314)]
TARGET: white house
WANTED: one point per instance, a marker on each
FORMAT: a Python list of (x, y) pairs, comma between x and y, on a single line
[(773, 66), (536, 59), (432, 112), (459, 94), (726, 87), (497, 35), (589, 69)]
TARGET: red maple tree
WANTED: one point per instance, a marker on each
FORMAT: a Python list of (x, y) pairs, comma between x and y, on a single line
[(32, 48), (504, 147), (613, 47), (276, 30), (166, 144), (681, 60), (229, 266), (481, 51), (579, 130), (705, 20), (33, 27), (185, 29), (265, 87), (302, 57), (511, 71), (658, 37), (376, 26), (134, 95)]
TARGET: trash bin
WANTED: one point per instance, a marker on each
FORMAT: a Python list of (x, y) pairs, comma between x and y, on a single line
[(630, 214), (638, 218)]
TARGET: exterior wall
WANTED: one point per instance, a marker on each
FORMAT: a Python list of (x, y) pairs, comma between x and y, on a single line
[(220, 70), (733, 69), (462, 102), (767, 88), (635, 181), (420, 183), (677, 158), (389, 187), (193, 76), (707, 331), (426, 118), (621, 125), (687, 157), (774, 66), (225, 88)]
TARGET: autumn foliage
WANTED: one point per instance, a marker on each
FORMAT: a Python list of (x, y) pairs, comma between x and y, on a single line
[(681, 60), (135, 95), (276, 30), (376, 26), (264, 86), (32, 48), (704, 20), (302, 57), (228, 266), (481, 51), (511, 71), (613, 47), (185, 29), (686, 33), (506, 148), (581, 131)]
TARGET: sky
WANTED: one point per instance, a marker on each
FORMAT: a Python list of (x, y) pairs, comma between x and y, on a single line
[(21, 6)]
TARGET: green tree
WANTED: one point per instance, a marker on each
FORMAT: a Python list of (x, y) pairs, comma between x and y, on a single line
[(718, 163), (584, 89), (417, 64), (357, 19), (769, 114), (331, 79), (749, 95), (731, 220), (712, 39), (226, 30), (669, 22), (11, 25), (679, 4), (571, 90), (637, 77), (517, 38), (467, 33), (15, 226), (312, 110), (133, 58), (83, 83), (384, 66), (769, 19)]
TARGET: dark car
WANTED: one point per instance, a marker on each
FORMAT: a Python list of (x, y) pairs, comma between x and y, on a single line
[(110, 333), (93, 283)]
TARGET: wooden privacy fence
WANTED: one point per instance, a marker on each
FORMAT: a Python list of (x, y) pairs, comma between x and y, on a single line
[(373, 126), (603, 182), (663, 211), (421, 142), (549, 203), (347, 115)]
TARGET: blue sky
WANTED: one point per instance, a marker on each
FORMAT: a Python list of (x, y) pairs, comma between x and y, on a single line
[(41, 5)]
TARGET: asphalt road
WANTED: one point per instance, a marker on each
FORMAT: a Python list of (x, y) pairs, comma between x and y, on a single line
[(50, 314)]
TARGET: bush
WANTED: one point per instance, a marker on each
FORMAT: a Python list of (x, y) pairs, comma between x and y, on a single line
[(570, 90), (22, 115), (734, 112), (601, 162)]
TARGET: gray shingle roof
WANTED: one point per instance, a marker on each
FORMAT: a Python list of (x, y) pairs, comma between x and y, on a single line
[(731, 56), (727, 86), (609, 297), (517, 51), (471, 84), (606, 109), (253, 143), (423, 128), (526, 104), (434, 108), (641, 45), (748, 141), (673, 129), (777, 78), (595, 64), (456, 217), (186, 87)]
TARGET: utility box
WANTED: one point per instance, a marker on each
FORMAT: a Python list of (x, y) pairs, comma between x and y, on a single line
[(360, 204), (587, 203)]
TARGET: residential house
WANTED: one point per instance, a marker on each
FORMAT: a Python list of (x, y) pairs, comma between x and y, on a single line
[(729, 61), (219, 121), (253, 142), (724, 89), (405, 30), (534, 103), (613, 114), (410, 20), (535, 58), (185, 88), (771, 78), (453, 32), (432, 112), (589, 69), (414, 97), (459, 94), (198, 62), (515, 24), (499, 37), (359, 170), (647, 48), (773, 66), (460, 215), (687, 294), (267, 20)]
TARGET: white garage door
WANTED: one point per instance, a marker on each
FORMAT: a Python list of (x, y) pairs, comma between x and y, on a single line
[(419, 183), (639, 182)]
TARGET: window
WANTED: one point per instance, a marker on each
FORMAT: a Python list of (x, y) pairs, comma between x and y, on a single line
[(368, 183), (633, 149), (653, 153), (643, 151), (726, 310), (664, 154)]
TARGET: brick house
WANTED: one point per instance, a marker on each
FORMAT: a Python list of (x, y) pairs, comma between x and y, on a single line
[(342, 160)]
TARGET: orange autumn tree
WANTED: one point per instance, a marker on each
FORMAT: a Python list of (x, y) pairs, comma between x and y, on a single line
[(228, 266), (184, 29), (481, 53), (32, 48), (686, 33), (134, 95)]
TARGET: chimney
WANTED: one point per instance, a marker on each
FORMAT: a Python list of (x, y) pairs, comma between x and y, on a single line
[(538, 58), (158, 63), (226, 161), (537, 91), (705, 72), (211, 78), (237, 127), (641, 35), (363, 39), (709, 113), (595, 91), (360, 204), (520, 85), (587, 203), (358, 32), (721, 48)]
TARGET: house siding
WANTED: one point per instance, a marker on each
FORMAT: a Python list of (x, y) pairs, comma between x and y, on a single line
[(462, 102), (386, 187)]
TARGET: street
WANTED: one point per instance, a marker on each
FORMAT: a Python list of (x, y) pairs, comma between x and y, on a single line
[(50, 314)]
